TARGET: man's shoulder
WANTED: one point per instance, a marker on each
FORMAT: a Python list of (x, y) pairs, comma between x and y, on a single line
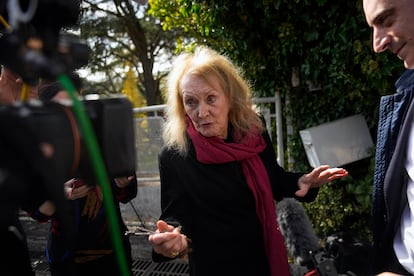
[(406, 80)]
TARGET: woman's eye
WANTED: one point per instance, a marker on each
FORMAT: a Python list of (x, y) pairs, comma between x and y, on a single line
[(211, 99), (189, 102)]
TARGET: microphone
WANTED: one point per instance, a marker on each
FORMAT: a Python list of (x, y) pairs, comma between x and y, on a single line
[(295, 226)]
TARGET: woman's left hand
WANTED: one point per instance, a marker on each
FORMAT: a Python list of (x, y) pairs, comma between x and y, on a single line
[(318, 177)]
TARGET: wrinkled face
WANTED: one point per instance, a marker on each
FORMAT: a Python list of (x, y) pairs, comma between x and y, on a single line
[(393, 28), (206, 104)]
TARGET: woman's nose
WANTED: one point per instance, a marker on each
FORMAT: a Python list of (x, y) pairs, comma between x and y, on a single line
[(202, 110)]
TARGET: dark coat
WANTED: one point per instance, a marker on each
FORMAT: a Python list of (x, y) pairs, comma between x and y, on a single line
[(390, 177), (216, 210)]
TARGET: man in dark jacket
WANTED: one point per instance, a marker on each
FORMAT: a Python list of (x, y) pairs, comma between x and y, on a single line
[(393, 196)]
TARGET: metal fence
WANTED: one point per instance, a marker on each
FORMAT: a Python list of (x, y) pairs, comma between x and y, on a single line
[(148, 126)]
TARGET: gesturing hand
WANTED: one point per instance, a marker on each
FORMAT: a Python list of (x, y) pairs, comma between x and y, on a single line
[(168, 240), (318, 177)]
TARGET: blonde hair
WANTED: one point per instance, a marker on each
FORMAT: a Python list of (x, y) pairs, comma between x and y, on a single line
[(206, 62)]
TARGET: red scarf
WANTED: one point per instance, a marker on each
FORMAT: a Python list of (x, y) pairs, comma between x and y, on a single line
[(213, 150)]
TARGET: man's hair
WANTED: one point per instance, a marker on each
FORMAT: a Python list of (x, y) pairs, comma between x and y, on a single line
[(48, 89)]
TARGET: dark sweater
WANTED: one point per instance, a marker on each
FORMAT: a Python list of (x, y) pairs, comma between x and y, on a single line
[(216, 210)]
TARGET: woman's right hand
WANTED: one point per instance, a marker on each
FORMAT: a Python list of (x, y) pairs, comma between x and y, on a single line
[(168, 240)]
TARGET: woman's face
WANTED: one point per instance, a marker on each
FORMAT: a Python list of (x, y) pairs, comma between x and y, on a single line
[(206, 104)]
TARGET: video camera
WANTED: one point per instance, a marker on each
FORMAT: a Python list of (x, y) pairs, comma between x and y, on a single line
[(41, 143), (53, 128), (32, 44), (34, 48), (41, 147)]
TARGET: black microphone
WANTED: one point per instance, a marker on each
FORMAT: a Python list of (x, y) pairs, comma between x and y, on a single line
[(295, 226)]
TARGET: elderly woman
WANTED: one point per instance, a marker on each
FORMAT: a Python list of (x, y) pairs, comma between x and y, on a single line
[(219, 174)]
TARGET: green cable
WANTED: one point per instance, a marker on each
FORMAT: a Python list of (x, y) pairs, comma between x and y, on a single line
[(98, 164)]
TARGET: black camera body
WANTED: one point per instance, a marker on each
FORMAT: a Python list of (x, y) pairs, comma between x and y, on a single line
[(42, 146), (112, 119), (34, 48), (54, 126)]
